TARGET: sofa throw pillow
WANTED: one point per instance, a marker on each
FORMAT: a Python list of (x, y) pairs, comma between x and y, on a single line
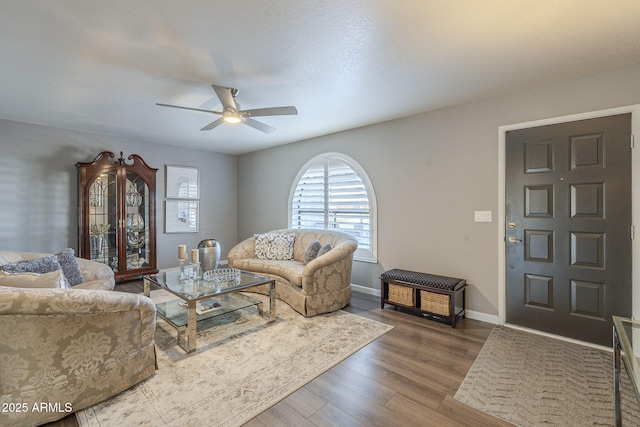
[(325, 248), (53, 279), (274, 246), (69, 265), (37, 265), (312, 251)]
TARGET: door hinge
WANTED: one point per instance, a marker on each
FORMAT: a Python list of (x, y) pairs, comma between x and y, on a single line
[(633, 232), (633, 144)]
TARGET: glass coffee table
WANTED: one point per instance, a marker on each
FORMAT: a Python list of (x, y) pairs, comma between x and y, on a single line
[(200, 300)]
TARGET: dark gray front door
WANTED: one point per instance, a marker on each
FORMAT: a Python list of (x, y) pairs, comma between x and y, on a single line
[(568, 227)]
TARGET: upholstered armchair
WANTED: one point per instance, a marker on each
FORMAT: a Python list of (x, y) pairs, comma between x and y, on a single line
[(68, 349), (67, 344)]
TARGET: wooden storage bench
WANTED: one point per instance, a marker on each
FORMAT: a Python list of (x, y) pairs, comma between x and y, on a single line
[(436, 296)]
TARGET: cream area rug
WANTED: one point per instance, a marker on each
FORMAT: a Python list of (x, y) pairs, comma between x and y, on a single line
[(241, 367), (532, 380)]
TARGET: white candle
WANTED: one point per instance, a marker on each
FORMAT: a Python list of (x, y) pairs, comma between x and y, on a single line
[(195, 256), (182, 252)]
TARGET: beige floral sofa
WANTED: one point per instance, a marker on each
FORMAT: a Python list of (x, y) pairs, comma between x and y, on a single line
[(62, 350), (319, 286)]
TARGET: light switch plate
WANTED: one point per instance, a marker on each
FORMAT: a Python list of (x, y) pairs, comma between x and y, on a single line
[(482, 216)]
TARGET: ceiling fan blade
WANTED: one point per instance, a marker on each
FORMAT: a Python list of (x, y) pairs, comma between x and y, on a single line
[(224, 94), (213, 124), (188, 108), (258, 125), (270, 111)]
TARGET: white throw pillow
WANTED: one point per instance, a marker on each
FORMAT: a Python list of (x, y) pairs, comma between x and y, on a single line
[(54, 279), (274, 246)]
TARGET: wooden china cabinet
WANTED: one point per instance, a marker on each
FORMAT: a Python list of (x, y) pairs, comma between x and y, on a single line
[(117, 214)]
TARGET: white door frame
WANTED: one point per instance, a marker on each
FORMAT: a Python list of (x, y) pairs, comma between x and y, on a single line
[(635, 196)]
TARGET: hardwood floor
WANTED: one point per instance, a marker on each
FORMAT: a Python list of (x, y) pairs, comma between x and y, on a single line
[(407, 377)]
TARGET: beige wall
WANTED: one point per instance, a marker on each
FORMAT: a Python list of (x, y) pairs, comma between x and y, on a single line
[(430, 173), (38, 188)]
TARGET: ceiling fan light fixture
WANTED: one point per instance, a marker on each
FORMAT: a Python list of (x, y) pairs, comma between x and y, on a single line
[(232, 113), (230, 116)]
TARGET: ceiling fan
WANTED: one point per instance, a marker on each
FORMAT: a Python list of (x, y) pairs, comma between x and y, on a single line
[(231, 112)]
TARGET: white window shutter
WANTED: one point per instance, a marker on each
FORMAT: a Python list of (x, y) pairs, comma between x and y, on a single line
[(331, 195)]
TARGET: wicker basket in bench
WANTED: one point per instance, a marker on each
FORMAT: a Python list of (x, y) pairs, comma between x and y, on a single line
[(402, 295), (434, 303)]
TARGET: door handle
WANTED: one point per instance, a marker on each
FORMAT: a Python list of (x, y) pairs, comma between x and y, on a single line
[(514, 240)]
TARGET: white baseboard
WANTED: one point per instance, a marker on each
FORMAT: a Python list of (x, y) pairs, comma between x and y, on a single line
[(483, 317), (365, 290), (470, 314)]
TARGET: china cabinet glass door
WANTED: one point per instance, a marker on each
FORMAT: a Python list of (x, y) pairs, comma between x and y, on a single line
[(136, 222), (103, 219)]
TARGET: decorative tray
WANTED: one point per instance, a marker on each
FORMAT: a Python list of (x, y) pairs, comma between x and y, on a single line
[(222, 275)]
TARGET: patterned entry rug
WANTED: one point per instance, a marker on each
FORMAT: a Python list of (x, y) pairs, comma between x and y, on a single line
[(532, 380), (242, 366)]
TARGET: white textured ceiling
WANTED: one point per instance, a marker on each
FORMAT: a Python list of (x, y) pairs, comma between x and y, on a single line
[(101, 66)]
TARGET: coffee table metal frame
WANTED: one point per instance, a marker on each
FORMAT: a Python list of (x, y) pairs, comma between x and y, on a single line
[(624, 332), (192, 291)]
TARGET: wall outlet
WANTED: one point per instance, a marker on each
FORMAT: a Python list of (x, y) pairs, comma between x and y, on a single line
[(482, 216)]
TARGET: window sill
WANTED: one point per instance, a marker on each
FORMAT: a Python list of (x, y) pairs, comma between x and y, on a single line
[(366, 258)]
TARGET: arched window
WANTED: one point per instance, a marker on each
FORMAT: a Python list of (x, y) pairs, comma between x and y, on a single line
[(333, 192)]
